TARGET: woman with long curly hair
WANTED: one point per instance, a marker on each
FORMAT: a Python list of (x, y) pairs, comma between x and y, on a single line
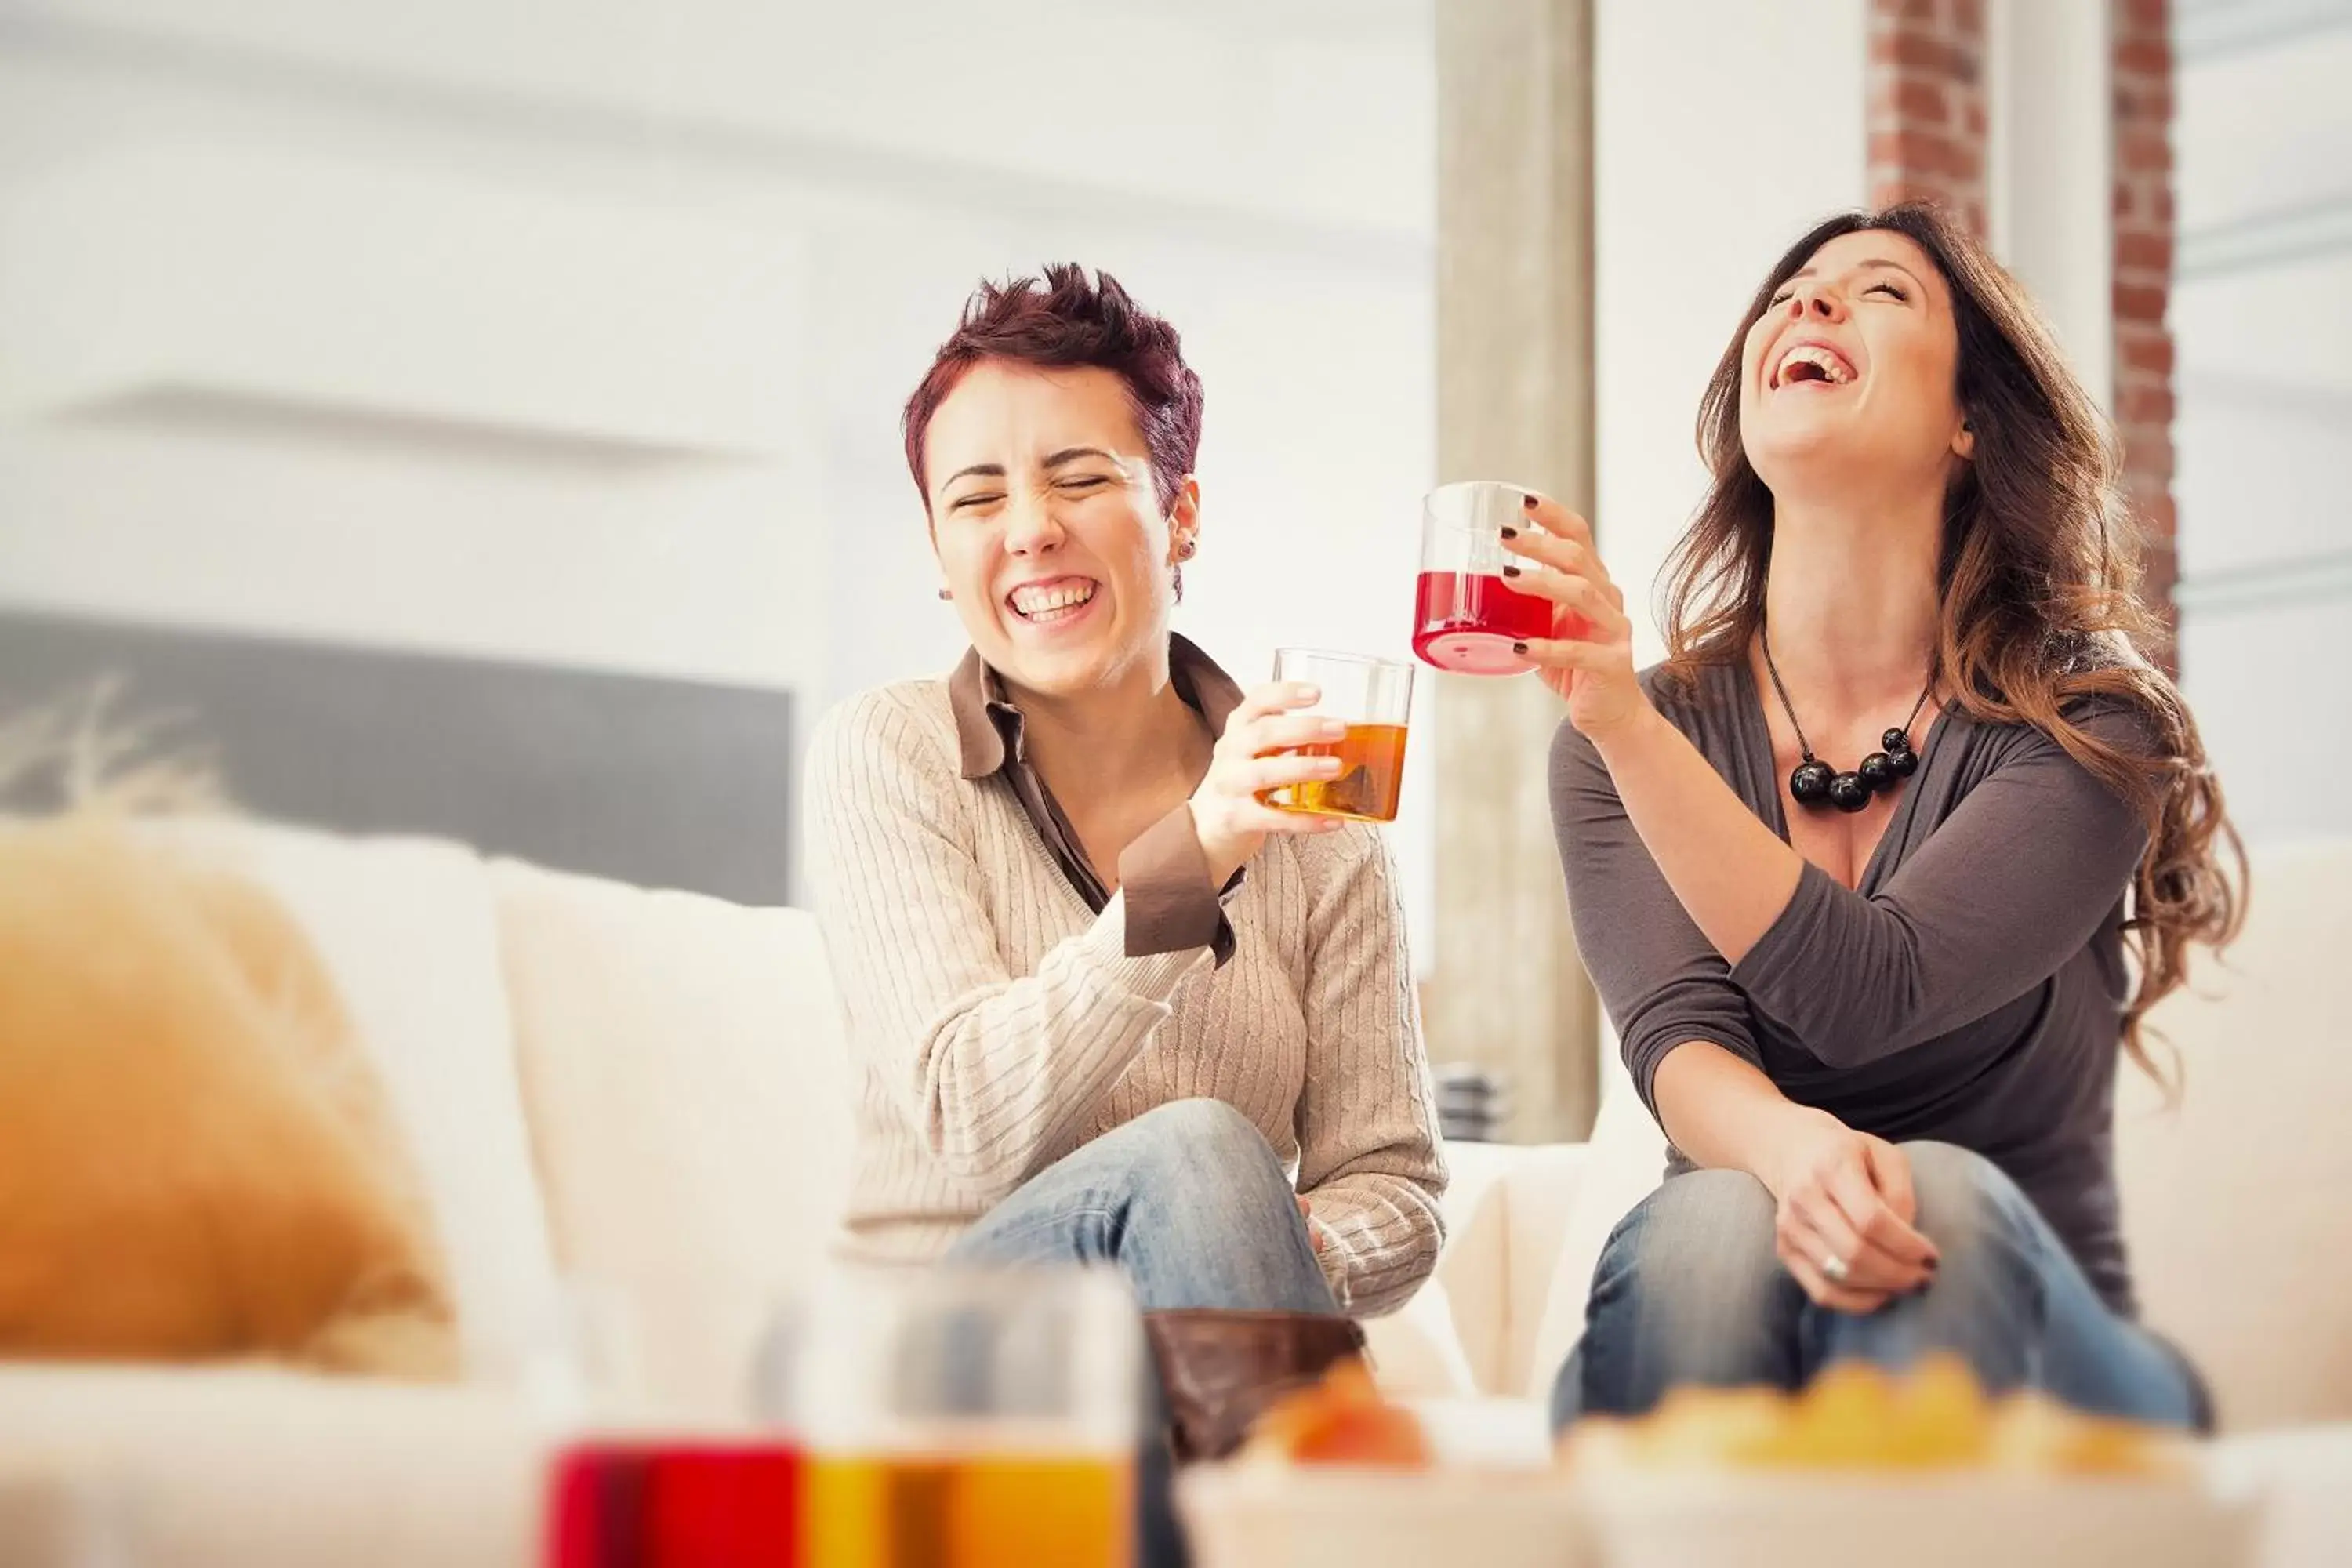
[(1879, 872)]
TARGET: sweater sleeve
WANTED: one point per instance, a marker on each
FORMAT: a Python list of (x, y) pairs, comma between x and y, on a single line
[(1662, 980), (989, 1067), (1366, 1120), (2021, 875)]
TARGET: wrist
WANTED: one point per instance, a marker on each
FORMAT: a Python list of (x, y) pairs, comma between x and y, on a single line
[(1640, 725), (1222, 858), (1783, 1152)]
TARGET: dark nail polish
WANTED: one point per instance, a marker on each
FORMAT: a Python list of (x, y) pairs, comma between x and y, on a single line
[(1519, 647), (1511, 571), (1528, 502), (1510, 534)]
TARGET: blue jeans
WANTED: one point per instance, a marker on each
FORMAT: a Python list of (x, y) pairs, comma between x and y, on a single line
[(1689, 1291), (1190, 1203), (1187, 1200)]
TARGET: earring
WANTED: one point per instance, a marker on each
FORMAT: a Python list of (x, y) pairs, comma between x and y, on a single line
[(1184, 548), (945, 594)]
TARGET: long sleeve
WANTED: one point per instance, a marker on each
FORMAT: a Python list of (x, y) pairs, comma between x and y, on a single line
[(1662, 980), (988, 1067), (2009, 887), (1367, 1122)]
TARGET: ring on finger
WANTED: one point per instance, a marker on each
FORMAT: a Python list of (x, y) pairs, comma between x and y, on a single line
[(1834, 1270)]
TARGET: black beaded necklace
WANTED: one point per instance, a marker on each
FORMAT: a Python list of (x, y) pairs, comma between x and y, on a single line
[(1815, 784)]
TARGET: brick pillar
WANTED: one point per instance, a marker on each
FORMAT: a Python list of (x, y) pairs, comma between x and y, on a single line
[(2142, 44), (1928, 116)]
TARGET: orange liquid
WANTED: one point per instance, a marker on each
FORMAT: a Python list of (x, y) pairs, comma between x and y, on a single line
[(1000, 1510), (1372, 776)]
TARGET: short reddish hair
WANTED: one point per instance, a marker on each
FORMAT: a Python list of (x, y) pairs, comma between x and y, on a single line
[(1064, 320)]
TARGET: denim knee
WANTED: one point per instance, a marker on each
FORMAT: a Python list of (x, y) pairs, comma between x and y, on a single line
[(1187, 1144), (1963, 1195), (1689, 1289), (1703, 1236)]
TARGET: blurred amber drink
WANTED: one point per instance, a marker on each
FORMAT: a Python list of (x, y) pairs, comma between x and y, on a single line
[(968, 1510), (956, 1418)]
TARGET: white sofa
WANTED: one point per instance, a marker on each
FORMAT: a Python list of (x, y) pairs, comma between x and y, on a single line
[(625, 1095)]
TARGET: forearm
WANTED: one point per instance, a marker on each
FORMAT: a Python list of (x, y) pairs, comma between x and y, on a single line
[(1731, 874), (989, 1068), (1379, 1234), (1723, 1113)]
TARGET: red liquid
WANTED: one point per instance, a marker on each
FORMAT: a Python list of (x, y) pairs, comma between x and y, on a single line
[(1467, 621), (703, 1504)]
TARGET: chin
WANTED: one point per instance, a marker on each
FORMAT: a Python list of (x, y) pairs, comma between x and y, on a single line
[(1804, 452), (1065, 671)]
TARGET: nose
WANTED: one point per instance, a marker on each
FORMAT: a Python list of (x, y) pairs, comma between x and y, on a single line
[(1816, 302), (1030, 526)]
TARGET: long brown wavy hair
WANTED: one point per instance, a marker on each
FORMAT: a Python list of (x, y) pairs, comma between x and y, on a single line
[(2039, 576)]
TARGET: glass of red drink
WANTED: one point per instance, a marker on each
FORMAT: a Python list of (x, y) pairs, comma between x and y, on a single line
[(1466, 614)]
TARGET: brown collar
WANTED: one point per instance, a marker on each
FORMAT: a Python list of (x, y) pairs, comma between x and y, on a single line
[(989, 729)]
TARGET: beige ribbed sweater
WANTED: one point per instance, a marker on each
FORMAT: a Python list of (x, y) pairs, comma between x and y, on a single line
[(998, 1024)]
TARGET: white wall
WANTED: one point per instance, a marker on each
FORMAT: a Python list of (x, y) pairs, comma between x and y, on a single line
[(1722, 132), (2261, 316), (580, 335)]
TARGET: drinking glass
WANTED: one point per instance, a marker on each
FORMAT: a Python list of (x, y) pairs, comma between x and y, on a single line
[(1373, 697), (658, 1462), (966, 1418), (1466, 614)]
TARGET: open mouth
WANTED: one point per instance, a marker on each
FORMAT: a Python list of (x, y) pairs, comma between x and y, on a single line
[(1813, 363), (1048, 603)]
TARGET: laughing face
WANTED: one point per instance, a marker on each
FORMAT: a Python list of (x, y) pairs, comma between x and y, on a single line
[(1048, 526), (1850, 375)]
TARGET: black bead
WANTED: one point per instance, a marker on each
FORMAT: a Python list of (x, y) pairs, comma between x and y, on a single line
[(1903, 763), (1896, 741), (1848, 792), (1875, 772), (1809, 783)]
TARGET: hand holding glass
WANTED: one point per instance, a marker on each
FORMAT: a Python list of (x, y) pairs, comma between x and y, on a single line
[(1467, 613), (1372, 698)]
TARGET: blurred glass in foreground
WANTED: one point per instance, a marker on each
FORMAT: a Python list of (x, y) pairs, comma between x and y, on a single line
[(965, 1419)]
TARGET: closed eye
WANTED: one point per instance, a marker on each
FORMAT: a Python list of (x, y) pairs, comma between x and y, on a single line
[(977, 497), (1887, 288), (1780, 299), (1083, 482)]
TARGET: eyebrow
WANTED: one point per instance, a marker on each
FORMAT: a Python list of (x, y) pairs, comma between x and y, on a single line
[(1878, 261), (996, 471)]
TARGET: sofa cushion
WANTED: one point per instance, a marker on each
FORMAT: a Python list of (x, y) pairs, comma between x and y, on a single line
[(1416, 1350), (249, 1468), (1626, 1158), (689, 1103), (2234, 1200), (196, 1155), (406, 929)]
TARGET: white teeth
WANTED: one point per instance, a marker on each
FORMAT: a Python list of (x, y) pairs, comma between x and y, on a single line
[(1036, 601), (1832, 366)]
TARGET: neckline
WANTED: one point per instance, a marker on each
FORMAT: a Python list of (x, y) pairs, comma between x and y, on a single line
[(1768, 773)]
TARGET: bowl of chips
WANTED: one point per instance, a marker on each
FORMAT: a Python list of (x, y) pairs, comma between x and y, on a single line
[(1337, 1477), (1866, 1468)]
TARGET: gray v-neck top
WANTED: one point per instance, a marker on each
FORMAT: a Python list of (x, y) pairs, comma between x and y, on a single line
[(1971, 990)]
